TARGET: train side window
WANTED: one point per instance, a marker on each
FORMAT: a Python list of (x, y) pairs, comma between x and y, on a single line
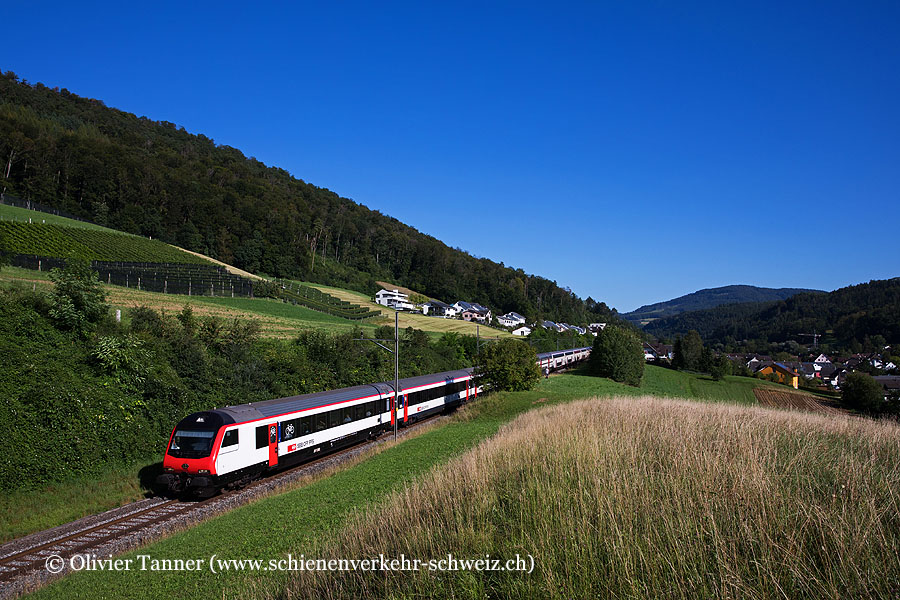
[(262, 436), (347, 414), (230, 439), (334, 418), (371, 408), (321, 421), (359, 412), (305, 425)]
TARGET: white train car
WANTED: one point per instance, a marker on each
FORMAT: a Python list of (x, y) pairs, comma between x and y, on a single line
[(228, 447)]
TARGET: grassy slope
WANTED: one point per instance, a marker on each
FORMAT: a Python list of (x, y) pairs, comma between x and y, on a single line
[(25, 512), (645, 498), (14, 213), (311, 512)]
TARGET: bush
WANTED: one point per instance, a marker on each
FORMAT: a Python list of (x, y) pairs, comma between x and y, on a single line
[(618, 355), (862, 393), (77, 298), (507, 364)]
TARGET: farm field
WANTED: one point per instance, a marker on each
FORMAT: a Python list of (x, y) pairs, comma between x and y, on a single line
[(44, 239), (423, 322), (315, 517), (277, 319), (781, 398)]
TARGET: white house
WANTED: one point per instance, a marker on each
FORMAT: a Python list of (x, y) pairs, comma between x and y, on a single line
[(394, 299), (523, 330), (436, 308), (822, 359), (511, 319), (596, 327)]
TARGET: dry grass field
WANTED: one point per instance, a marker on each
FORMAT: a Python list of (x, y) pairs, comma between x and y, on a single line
[(645, 498)]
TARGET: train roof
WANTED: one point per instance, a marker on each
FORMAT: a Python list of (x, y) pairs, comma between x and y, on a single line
[(270, 408), (543, 355)]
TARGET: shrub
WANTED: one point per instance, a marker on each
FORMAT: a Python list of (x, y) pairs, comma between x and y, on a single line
[(77, 299)]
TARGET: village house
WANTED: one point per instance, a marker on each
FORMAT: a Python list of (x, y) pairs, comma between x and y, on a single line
[(511, 319), (524, 330), (470, 314), (474, 309), (394, 299), (784, 374), (436, 308), (595, 328)]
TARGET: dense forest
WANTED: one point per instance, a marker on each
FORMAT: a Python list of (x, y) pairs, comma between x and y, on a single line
[(710, 298), (155, 179), (854, 318)]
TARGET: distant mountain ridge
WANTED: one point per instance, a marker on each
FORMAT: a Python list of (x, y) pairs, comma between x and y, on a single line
[(711, 298), (851, 318)]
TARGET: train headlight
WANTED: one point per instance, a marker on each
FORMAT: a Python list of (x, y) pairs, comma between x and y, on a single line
[(203, 471), (169, 470)]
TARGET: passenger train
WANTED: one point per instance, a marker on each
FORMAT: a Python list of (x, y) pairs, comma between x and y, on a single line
[(226, 448)]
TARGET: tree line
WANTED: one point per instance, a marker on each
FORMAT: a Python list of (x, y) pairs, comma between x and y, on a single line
[(155, 179)]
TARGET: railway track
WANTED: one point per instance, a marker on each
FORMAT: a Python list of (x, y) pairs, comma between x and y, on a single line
[(63, 545), (24, 562)]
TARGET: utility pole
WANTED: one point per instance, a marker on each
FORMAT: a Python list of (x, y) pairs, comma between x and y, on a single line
[(396, 353), (394, 416)]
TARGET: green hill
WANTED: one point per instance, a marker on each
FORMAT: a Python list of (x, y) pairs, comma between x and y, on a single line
[(850, 318), (157, 180), (710, 298)]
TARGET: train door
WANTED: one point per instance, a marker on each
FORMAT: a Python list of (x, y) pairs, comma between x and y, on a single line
[(405, 400), (273, 444)]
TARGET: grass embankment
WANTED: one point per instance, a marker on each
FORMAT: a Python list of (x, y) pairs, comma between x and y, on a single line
[(297, 521), (644, 498), (28, 511)]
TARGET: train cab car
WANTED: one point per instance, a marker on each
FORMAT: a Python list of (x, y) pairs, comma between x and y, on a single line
[(231, 446)]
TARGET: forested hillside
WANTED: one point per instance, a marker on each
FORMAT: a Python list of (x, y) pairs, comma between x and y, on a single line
[(710, 298), (850, 318), (155, 179)]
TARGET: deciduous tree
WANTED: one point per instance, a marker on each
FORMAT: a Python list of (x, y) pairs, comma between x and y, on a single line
[(507, 364), (617, 354)]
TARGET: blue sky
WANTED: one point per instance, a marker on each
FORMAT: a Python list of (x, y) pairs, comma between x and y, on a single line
[(632, 151)]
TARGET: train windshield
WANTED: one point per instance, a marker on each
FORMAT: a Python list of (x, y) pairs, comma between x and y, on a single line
[(191, 444)]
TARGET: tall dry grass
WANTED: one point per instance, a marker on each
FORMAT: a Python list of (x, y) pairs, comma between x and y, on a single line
[(645, 498)]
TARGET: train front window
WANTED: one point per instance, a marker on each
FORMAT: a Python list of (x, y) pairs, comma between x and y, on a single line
[(191, 444)]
